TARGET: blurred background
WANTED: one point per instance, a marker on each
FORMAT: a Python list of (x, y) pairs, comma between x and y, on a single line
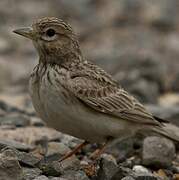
[(137, 41)]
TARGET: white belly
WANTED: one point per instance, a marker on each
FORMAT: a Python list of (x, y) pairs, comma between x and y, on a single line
[(67, 114)]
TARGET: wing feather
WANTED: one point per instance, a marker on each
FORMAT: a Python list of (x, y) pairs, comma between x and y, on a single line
[(97, 90)]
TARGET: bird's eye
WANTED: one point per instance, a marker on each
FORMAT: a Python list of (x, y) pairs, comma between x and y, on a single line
[(50, 32), (49, 35)]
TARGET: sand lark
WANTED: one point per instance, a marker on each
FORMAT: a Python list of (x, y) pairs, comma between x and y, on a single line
[(76, 96)]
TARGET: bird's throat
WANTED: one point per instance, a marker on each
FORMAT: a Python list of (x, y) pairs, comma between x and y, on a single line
[(64, 61)]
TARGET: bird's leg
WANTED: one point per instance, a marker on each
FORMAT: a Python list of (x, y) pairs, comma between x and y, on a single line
[(99, 151), (74, 151), (44, 147), (91, 168)]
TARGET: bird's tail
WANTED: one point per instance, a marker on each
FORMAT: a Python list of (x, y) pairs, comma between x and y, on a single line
[(169, 131)]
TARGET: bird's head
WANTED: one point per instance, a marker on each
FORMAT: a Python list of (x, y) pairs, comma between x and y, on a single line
[(54, 40)]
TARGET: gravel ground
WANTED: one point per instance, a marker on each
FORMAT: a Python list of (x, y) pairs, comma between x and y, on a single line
[(137, 41)]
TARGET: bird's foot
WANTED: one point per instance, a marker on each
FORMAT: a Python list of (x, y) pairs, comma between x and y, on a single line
[(90, 168), (42, 148), (74, 151)]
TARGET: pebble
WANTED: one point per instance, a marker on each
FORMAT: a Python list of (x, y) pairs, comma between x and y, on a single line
[(10, 168), (27, 159), (30, 173), (131, 43), (56, 149), (15, 144), (41, 178), (34, 121), (128, 178), (108, 167), (75, 175), (158, 152), (141, 169), (55, 168), (16, 120), (58, 178)]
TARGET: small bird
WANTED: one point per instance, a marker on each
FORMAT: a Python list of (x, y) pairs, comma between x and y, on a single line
[(77, 97)]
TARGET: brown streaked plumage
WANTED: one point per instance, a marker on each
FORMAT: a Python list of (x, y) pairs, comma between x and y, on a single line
[(77, 97)]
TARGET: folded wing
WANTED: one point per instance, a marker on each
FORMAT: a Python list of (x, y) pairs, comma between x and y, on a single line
[(96, 89)]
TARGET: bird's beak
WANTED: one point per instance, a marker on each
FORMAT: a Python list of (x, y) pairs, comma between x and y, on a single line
[(26, 32)]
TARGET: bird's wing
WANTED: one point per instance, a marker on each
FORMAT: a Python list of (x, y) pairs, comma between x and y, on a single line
[(96, 89)]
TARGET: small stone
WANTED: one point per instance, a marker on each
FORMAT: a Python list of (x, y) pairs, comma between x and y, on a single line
[(58, 178), (121, 173), (56, 168), (158, 152), (27, 158), (128, 178), (51, 169), (124, 172), (9, 166), (141, 177), (29, 135), (56, 149), (31, 173), (15, 144), (23, 157), (108, 167), (75, 175), (140, 169), (36, 122), (41, 178), (15, 120), (71, 163), (70, 141)]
